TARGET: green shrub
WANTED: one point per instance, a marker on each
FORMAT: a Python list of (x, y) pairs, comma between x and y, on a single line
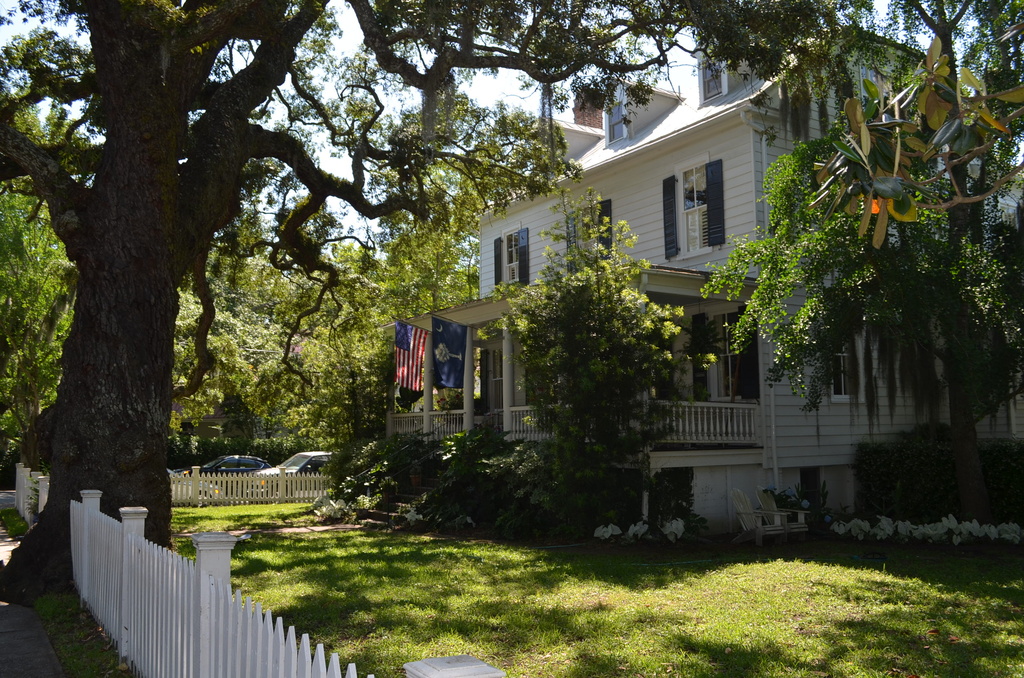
[(914, 479), (13, 522), (672, 497), (493, 481), (364, 468)]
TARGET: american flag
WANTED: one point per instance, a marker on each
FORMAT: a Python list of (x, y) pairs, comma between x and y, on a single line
[(410, 343)]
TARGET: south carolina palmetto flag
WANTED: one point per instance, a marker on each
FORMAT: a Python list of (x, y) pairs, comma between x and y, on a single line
[(410, 343), (449, 350)]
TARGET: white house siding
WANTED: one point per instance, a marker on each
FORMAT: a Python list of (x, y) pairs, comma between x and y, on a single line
[(630, 175)]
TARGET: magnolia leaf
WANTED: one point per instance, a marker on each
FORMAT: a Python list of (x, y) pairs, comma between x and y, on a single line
[(899, 150), (888, 187), (871, 88), (820, 200), (992, 122), (971, 80), (904, 208), (947, 133), (1014, 96), (865, 217), (854, 112), (922, 100), (849, 152), (966, 141), (880, 227), (915, 144), (934, 111), (934, 50), (865, 139)]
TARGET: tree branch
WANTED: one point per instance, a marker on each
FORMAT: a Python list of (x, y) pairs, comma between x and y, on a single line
[(61, 192), (204, 358)]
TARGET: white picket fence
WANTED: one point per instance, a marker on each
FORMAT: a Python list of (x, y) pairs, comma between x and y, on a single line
[(171, 617), (211, 489), (31, 490)]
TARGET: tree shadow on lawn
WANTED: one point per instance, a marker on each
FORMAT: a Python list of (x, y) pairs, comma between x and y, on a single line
[(391, 598)]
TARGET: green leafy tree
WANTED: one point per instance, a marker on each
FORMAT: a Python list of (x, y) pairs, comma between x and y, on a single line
[(593, 349), (37, 285), (931, 299), (177, 125)]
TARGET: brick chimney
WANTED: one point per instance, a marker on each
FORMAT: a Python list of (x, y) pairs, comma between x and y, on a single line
[(586, 114)]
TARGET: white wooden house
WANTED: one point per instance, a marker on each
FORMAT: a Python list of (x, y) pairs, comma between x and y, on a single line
[(686, 175)]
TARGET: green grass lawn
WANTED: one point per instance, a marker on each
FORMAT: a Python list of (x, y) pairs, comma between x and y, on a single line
[(812, 609)]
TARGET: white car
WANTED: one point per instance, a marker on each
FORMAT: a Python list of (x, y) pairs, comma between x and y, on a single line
[(303, 462)]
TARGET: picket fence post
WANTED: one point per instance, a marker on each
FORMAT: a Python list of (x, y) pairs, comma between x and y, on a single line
[(20, 487), (194, 487), (133, 522), (213, 567), (44, 493), (33, 486), (90, 503), (282, 476)]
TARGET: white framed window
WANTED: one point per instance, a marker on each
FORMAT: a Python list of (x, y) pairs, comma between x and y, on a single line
[(712, 80), (511, 240), (840, 379), (695, 207), (618, 122)]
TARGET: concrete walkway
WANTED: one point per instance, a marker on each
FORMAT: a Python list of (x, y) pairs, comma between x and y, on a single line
[(25, 651)]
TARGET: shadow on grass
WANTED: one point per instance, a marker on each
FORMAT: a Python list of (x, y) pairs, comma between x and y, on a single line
[(811, 609)]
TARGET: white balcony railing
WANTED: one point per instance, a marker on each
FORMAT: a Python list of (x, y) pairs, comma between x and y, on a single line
[(686, 423), (712, 423)]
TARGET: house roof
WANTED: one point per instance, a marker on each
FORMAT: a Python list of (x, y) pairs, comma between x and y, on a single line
[(679, 119), (475, 313)]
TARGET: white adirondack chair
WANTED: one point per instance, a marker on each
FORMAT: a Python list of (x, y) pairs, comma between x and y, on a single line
[(757, 524), (795, 519)]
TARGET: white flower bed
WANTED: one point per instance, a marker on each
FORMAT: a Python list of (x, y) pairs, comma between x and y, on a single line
[(946, 530)]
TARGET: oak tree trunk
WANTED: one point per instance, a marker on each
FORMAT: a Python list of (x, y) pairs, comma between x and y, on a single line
[(108, 426)]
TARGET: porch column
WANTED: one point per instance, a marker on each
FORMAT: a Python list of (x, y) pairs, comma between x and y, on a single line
[(507, 385), (428, 381), (468, 382)]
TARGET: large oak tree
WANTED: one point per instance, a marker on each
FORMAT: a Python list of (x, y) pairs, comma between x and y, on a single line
[(177, 117)]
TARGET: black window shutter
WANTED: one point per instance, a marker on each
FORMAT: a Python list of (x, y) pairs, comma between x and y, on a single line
[(497, 261), (524, 256), (604, 212), (668, 201), (716, 203)]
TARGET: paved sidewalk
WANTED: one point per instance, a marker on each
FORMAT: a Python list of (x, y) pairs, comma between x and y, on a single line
[(25, 651)]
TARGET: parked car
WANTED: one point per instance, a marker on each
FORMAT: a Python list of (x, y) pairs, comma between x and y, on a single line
[(231, 463), (302, 462)]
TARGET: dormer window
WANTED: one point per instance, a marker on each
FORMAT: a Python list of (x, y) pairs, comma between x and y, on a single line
[(711, 80), (618, 122)]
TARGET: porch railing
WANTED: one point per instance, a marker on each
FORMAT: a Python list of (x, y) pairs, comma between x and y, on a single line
[(686, 423), (712, 423), (442, 423)]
